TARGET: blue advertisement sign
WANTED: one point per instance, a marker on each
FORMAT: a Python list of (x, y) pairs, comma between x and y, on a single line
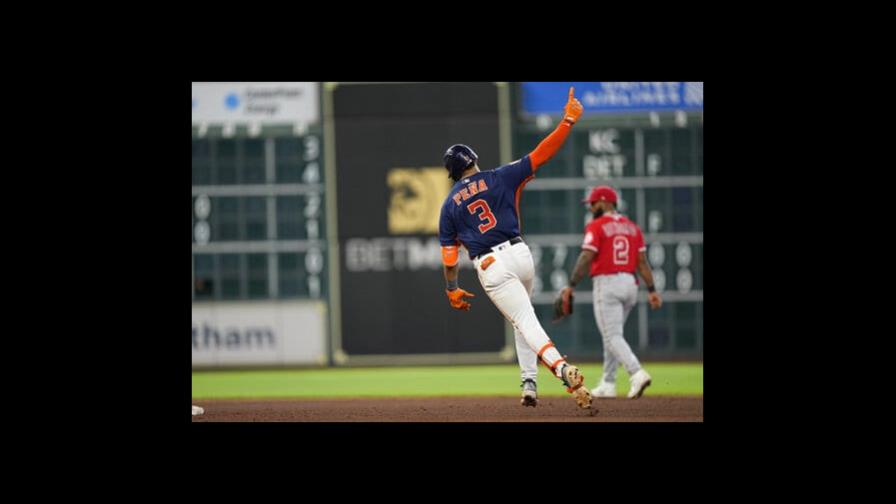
[(610, 97)]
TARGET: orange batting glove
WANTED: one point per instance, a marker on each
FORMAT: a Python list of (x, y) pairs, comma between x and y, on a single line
[(456, 298), (573, 109)]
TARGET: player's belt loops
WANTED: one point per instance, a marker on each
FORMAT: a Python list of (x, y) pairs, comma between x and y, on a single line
[(509, 243), (512, 241)]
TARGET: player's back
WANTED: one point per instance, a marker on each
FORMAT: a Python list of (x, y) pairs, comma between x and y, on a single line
[(481, 210), (617, 241)]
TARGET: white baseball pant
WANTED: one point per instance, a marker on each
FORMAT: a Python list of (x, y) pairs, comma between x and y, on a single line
[(507, 279)]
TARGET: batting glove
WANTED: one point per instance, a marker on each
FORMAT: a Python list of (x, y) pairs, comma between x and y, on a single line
[(573, 109), (456, 298)]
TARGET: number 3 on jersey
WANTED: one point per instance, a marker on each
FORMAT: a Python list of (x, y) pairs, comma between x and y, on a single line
[(485, 215), (620, 250)]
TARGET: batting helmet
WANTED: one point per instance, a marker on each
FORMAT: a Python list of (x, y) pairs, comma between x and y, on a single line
[(599, 193), (458, 158)]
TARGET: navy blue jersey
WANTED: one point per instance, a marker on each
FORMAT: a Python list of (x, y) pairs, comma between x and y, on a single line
[(482, 210)]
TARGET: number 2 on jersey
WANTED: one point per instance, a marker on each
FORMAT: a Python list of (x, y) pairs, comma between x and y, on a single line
[(620, 250), (485, 215)]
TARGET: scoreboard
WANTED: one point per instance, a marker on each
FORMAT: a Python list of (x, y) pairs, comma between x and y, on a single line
[(654, 159), (259, 229)]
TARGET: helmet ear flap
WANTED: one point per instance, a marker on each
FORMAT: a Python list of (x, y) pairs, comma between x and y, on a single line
[(453, 174)]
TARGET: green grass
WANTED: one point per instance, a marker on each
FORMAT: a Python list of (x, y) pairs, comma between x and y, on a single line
[(668, 379)]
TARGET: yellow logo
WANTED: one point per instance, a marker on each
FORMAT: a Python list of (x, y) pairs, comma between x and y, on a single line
[(416, 199)]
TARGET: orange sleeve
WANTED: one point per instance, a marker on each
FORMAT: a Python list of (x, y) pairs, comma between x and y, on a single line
[(550, 145), (449, 255)]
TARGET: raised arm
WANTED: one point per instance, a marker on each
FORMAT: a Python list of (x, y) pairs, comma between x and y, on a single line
[(550, 145)]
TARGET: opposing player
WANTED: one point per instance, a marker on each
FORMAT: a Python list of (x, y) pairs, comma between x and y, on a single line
[(481, 214), (612, 250)]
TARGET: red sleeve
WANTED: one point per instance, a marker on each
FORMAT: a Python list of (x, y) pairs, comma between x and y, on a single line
[(592, 237), (640, 241), (550, 145)]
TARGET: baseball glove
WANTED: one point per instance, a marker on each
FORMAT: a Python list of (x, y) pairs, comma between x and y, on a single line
[(563, 304)]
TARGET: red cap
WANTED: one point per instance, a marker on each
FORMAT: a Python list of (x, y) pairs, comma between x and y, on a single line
[(599, 193)]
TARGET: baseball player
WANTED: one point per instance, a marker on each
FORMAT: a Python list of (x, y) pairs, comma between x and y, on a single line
[(612, 250), (481, 213)]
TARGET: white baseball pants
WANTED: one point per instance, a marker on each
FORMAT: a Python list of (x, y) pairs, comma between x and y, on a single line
[(614, 298), (507, 279)]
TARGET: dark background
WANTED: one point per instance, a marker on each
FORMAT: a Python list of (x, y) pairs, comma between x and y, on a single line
[(383, 126)]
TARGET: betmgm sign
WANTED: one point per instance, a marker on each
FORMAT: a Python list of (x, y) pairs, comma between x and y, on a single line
[(389, 301)]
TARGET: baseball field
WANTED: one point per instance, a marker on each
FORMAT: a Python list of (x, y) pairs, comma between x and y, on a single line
[(487, 393)]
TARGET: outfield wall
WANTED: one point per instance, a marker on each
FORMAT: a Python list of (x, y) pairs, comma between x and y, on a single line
[(264, 333)]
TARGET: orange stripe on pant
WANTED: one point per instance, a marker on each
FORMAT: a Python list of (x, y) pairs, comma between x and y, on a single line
[(553, 366), (559, 361)]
